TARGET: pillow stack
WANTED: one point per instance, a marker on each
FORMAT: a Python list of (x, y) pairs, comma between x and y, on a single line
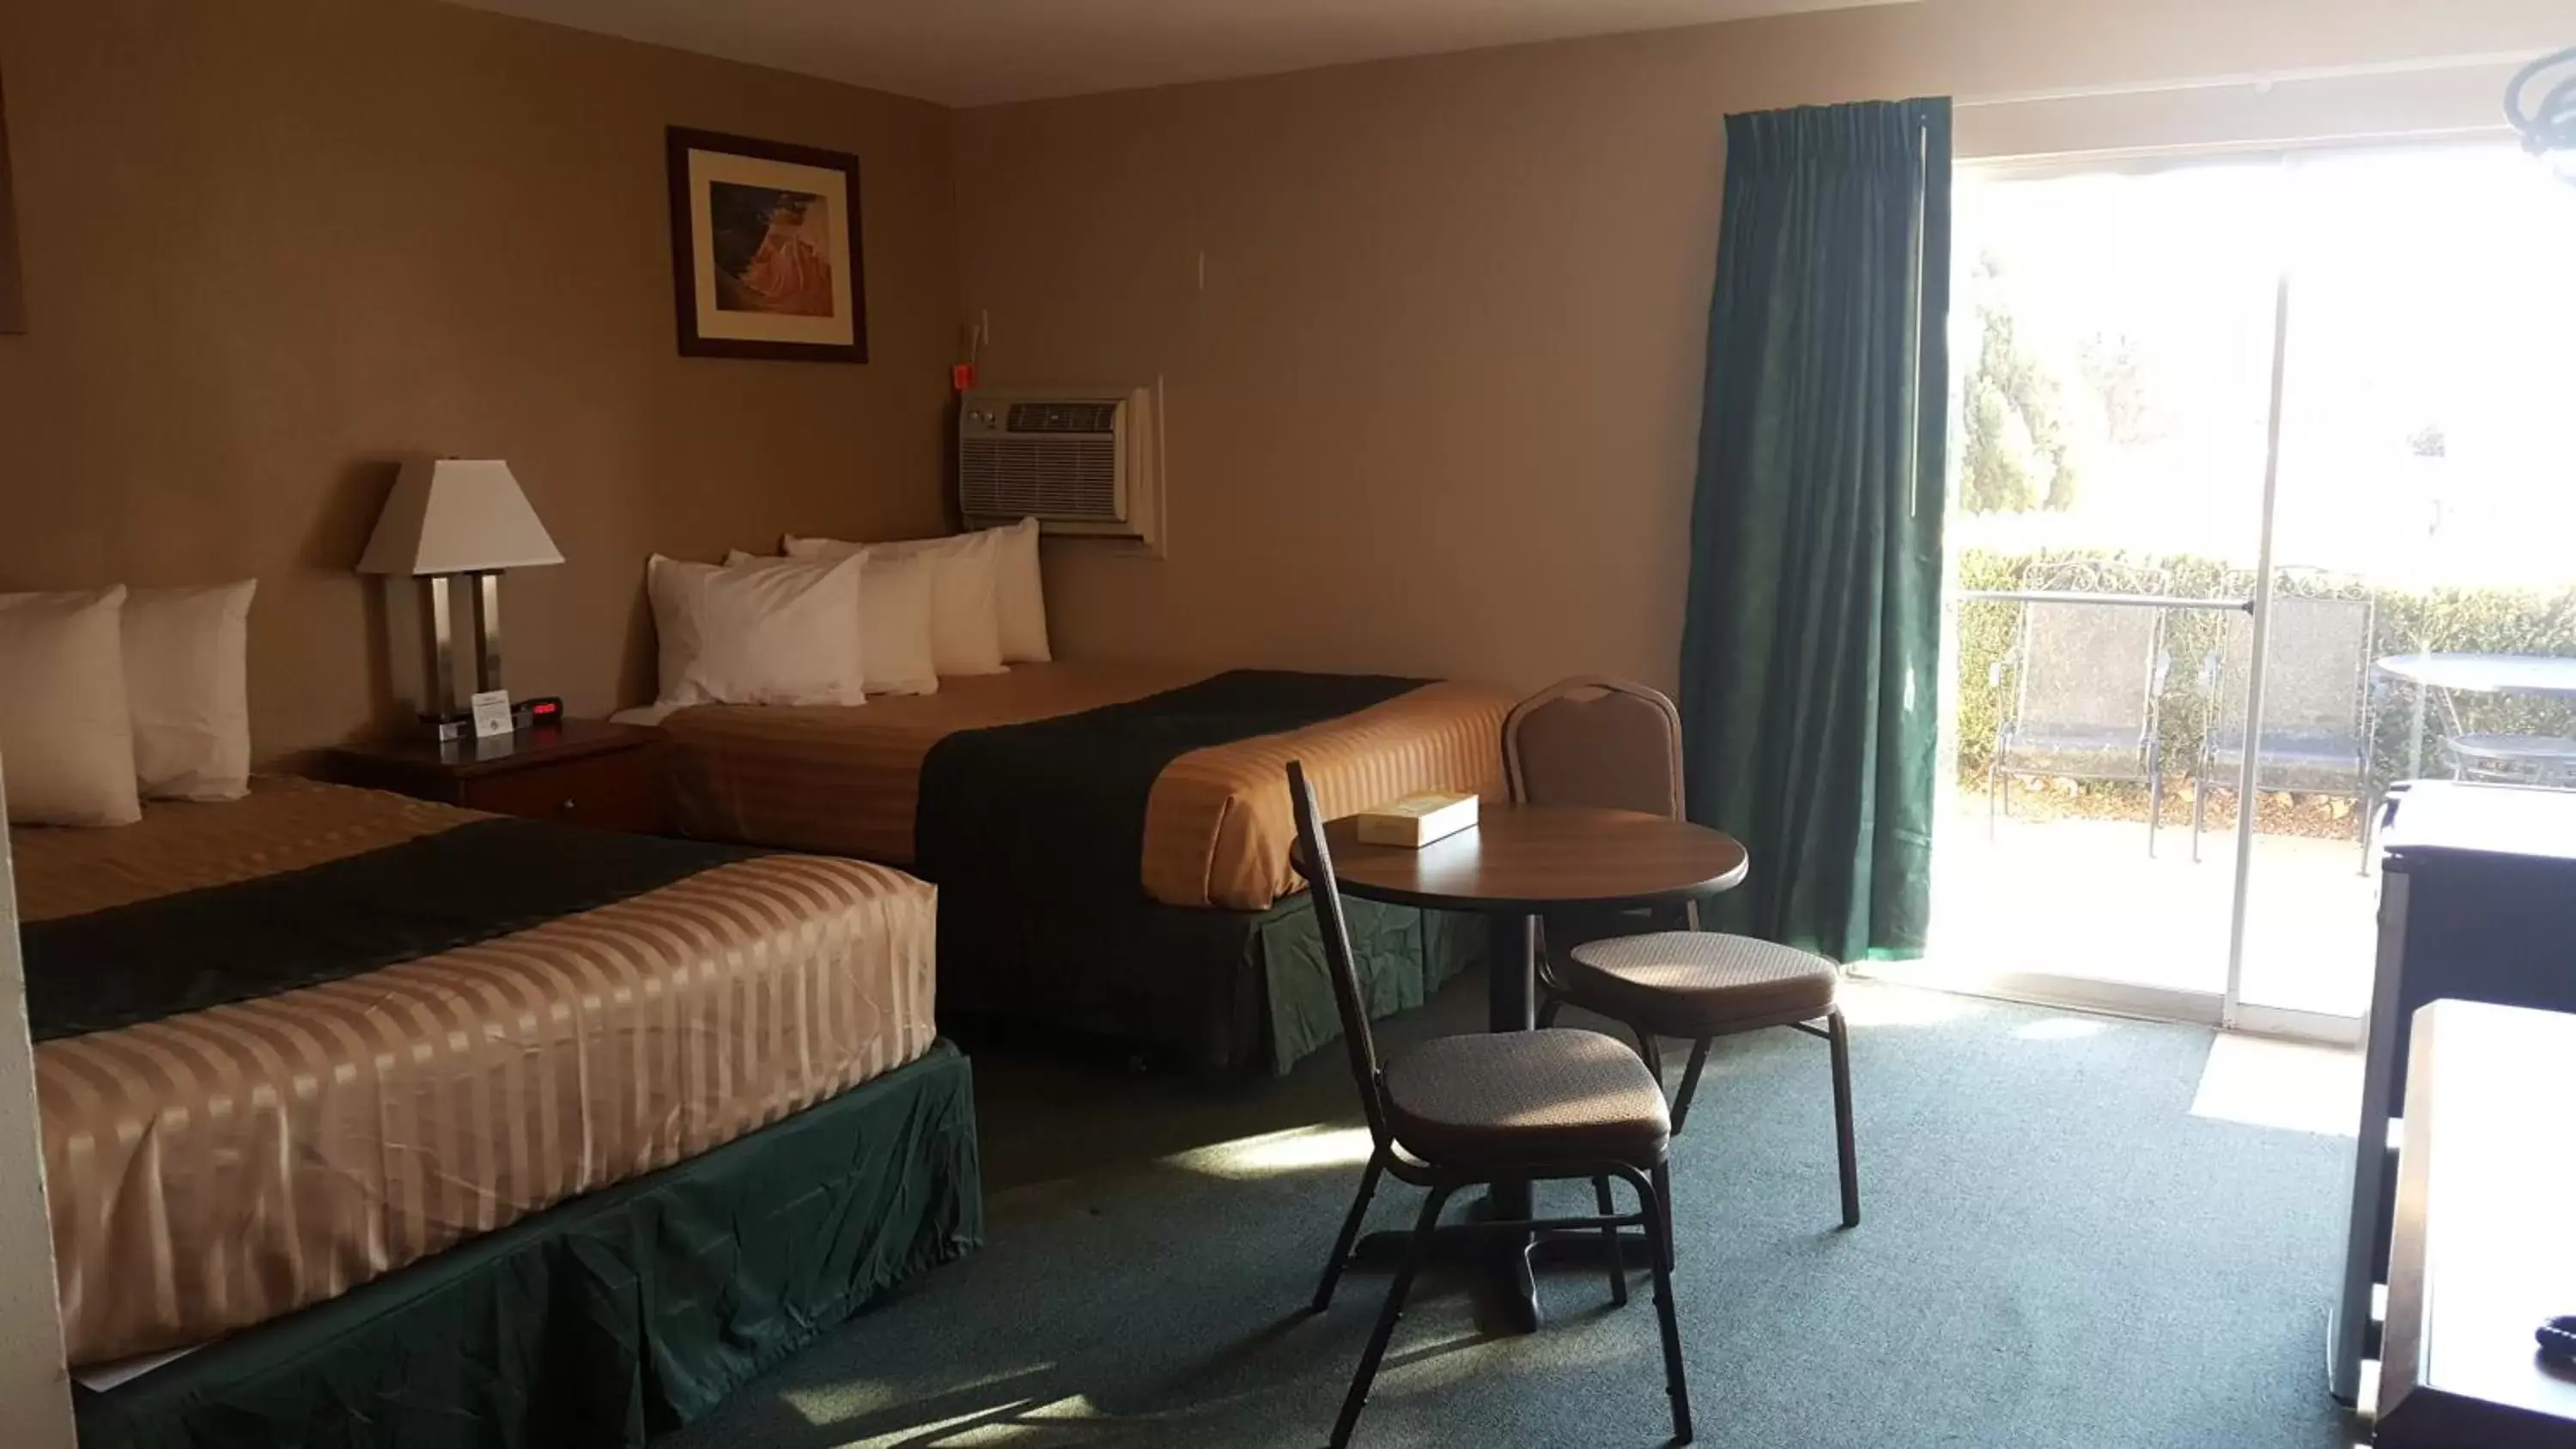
[(752, 631), (111, 697)]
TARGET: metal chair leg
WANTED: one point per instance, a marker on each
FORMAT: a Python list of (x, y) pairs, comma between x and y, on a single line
[(1838, 1037), (2199, 806), (1690, 1082), (1659, 1224), (1549, 1005), (1650, 1049), (2155, 798), (1357, 1398), (1610, 1242), (1350, 1230)]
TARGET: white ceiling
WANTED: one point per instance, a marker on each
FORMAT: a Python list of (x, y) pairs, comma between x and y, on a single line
[(978, 52)]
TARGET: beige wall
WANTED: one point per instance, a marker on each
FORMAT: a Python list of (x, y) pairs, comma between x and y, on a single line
[(1435, 405), (271, 244)]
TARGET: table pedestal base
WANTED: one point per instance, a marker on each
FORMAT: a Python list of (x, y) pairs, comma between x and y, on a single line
[(1510, 1257)]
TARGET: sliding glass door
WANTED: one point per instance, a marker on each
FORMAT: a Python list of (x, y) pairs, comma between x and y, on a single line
[(2112, 337), (2228, 435), (2426, 507)]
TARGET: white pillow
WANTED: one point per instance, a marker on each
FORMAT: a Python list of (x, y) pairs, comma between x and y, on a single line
[(1018, 596), (895, 613), (187, 690), (765, 633), (66, 743), (965, 627), (894, 620)]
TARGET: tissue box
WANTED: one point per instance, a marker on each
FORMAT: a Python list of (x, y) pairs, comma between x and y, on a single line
[(1417, 820)]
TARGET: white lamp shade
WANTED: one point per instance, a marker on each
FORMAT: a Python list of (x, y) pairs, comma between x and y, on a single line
[(455, 516)]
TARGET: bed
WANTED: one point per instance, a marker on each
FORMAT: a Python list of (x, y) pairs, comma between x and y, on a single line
[(1111, 840), (309, 1059)]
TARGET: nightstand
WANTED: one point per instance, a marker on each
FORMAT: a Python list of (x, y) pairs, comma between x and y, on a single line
[(582, 772)]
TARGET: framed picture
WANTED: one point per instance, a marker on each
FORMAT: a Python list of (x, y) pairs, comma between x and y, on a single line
[(13, 298), (765, 249)]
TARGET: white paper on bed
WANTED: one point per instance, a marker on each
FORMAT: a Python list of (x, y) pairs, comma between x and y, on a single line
[(769, 632)]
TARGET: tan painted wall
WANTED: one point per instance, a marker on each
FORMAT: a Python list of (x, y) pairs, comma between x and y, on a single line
[(270, 244), (1435, 407)]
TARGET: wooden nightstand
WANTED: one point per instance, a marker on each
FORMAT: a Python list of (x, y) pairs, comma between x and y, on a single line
[(582, 772)]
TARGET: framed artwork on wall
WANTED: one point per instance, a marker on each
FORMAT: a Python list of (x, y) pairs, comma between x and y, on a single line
[(13, 297), (765, 249)]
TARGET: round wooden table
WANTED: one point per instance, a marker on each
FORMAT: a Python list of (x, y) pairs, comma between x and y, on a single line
[(1519, 863)]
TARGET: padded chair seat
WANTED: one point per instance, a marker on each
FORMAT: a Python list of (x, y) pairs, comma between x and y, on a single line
[(2101, 752), (1698, 983), (1534, 1097), (2307, 761)]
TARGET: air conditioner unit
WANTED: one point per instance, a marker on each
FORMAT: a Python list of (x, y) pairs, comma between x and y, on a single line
[(1079, 460)]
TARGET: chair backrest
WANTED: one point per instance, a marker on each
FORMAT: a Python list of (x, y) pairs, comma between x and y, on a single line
[(1326, 889), (2088, 665), (1596, 741), (2316, 673)]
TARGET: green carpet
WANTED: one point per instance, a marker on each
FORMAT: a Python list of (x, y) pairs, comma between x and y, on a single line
[(2055, 1253)]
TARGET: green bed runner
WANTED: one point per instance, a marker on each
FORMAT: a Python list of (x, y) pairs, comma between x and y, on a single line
[(1200, 989), (1055, 808), (610, 1318)]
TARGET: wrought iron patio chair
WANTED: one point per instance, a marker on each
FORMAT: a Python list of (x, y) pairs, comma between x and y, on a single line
[(2087, 680), (2317, 735)]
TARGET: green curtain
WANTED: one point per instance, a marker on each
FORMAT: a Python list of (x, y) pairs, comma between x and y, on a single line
[(1810, 651)]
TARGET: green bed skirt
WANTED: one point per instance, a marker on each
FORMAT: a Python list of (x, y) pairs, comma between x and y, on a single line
[(610, 1318), (1203, 989)]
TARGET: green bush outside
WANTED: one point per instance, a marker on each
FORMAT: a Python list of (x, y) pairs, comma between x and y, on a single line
[(2463, 620)]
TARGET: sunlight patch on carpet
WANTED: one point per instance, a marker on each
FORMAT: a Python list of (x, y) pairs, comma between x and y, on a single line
[(2061, 1028), (856, 1398), (1073, 1419), (2266, 1082), (1295, 1149)]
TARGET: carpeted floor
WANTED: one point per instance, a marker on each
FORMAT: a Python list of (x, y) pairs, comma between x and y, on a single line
[(2055, 1253)]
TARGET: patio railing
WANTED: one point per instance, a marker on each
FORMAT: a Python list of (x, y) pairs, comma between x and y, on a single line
[(2201, 614)]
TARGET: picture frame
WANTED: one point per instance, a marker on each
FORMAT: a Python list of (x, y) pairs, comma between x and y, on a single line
[(13, 293), (765, 249)]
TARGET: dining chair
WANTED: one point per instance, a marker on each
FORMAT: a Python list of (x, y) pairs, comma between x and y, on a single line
[(1611, 743), (1462, 1111)]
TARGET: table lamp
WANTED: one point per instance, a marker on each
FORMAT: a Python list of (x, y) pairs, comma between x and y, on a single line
[(452, 518)]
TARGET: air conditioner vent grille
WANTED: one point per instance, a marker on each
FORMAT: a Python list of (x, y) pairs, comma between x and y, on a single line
[(1073, 479)]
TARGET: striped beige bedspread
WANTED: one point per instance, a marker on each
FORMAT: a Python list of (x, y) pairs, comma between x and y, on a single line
[(215, 1169), (846, 778)]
